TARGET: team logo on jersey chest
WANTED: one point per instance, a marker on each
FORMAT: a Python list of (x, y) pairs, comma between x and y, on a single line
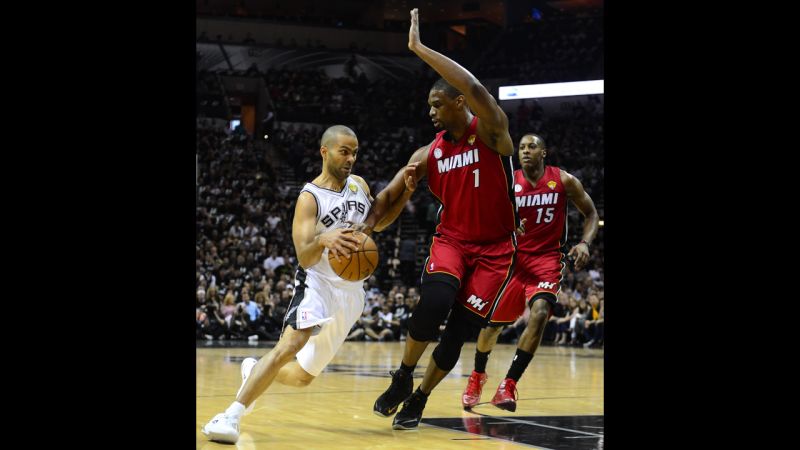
[(517, 188), (549, 198), (551, 184), (341, 212), (464, 159), (471, 139)]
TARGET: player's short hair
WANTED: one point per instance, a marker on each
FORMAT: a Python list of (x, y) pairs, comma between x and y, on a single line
[(442, 85), (332, 133), (537, 139)]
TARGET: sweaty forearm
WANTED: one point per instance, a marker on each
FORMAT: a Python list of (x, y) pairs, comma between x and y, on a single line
[(395, 208), (454, 73), (590, 225), (385, 208)]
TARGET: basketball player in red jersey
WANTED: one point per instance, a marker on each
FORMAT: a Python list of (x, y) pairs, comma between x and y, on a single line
[(541, 194), (468, 166)]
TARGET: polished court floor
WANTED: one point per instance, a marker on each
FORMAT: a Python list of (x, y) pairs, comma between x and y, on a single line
[(560, 401)]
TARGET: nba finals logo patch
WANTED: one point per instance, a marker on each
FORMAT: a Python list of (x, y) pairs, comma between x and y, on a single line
[(437, 153), (353, 187), (551, 184), (471, 139)]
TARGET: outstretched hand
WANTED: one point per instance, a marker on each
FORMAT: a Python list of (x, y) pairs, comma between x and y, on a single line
[(410, 176), (413, 31)]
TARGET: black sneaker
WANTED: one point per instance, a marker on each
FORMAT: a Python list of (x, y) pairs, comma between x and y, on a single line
[(408, 418), (399, 390)]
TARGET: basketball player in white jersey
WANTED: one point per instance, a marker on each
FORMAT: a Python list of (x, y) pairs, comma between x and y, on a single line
[(324, 306)]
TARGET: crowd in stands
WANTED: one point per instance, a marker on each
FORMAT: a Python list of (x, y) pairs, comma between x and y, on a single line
[(247, 188)]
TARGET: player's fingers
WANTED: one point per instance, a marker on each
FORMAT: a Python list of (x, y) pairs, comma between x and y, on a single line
[(584, 258), (351, 238), (345, 252)]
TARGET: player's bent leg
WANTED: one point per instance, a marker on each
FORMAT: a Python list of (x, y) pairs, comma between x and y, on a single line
[(486, 342), (488, 338), (444, 358), (532, 336), (224, 427), (438, 297), (506, 395), (265, 371), (292, 374)]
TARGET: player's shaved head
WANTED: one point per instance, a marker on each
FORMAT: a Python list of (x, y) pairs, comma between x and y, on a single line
[(442, 85), (331, 135)]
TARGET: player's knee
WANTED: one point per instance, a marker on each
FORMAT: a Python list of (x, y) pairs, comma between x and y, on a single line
[(434, 305), (490, 333), (304, 379), (449, 349), (540, 310), (446, 353)]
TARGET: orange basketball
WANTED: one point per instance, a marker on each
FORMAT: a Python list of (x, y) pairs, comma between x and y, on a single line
[(360, 264)]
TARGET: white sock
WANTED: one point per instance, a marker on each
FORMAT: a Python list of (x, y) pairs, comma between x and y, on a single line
[(236, 409)]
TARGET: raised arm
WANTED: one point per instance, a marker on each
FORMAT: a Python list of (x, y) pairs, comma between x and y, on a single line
[(493, 123)]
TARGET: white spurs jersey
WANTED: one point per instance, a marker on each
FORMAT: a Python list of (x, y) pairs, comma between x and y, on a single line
[(334, 210)]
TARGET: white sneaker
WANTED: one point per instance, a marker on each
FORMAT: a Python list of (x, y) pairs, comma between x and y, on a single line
[(222, 428), (247, 367)]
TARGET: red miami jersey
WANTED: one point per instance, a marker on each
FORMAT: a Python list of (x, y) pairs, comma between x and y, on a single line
[(473, 184), (545, 207)]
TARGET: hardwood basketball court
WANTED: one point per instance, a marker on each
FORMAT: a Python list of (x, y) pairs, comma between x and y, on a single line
[(560, 402)]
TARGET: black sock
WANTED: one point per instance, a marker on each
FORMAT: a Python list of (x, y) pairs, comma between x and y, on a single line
[(407, 369), (419, 391), (519, 364), (480, 361)]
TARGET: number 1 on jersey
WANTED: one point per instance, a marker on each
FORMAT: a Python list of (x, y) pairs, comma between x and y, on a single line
[(477, 173)]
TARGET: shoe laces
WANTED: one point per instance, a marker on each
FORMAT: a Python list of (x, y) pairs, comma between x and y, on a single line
[(414, 403), (474, 383), (510, 386), (396, 387)]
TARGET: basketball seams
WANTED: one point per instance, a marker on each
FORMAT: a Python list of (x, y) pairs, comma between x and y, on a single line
[(349, 271)]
